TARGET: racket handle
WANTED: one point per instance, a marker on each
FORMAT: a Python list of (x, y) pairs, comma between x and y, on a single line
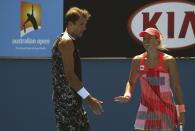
[(181, 127)]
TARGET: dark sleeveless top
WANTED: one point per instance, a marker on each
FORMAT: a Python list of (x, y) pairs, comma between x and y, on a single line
[(77, 61), (69, 112), (59, 77)]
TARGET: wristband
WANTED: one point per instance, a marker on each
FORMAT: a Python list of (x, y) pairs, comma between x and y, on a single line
[(83, 92), (181, 108)]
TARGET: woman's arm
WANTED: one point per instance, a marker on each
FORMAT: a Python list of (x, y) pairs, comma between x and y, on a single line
[(171, 64), (131, 81)]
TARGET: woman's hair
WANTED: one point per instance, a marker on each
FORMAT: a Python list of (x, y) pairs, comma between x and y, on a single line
[(74, 13), (162, 45)]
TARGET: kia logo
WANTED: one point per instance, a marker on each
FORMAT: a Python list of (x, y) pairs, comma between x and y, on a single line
[(174, 19)]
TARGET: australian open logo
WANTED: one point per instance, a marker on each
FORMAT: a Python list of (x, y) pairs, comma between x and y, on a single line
[(30, 18)]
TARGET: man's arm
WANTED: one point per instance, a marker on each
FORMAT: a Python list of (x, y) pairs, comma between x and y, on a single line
[(66, 48)]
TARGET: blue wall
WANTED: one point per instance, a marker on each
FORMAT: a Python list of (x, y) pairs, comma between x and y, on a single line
[(25, 95)]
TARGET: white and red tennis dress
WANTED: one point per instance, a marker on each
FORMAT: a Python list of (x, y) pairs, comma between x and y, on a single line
[(157, 110)]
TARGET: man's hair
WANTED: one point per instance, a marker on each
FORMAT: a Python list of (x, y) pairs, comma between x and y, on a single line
[(74, 13)]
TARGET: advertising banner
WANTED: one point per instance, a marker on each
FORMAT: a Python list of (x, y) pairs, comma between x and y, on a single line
[(113, 30), (28, 28)]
